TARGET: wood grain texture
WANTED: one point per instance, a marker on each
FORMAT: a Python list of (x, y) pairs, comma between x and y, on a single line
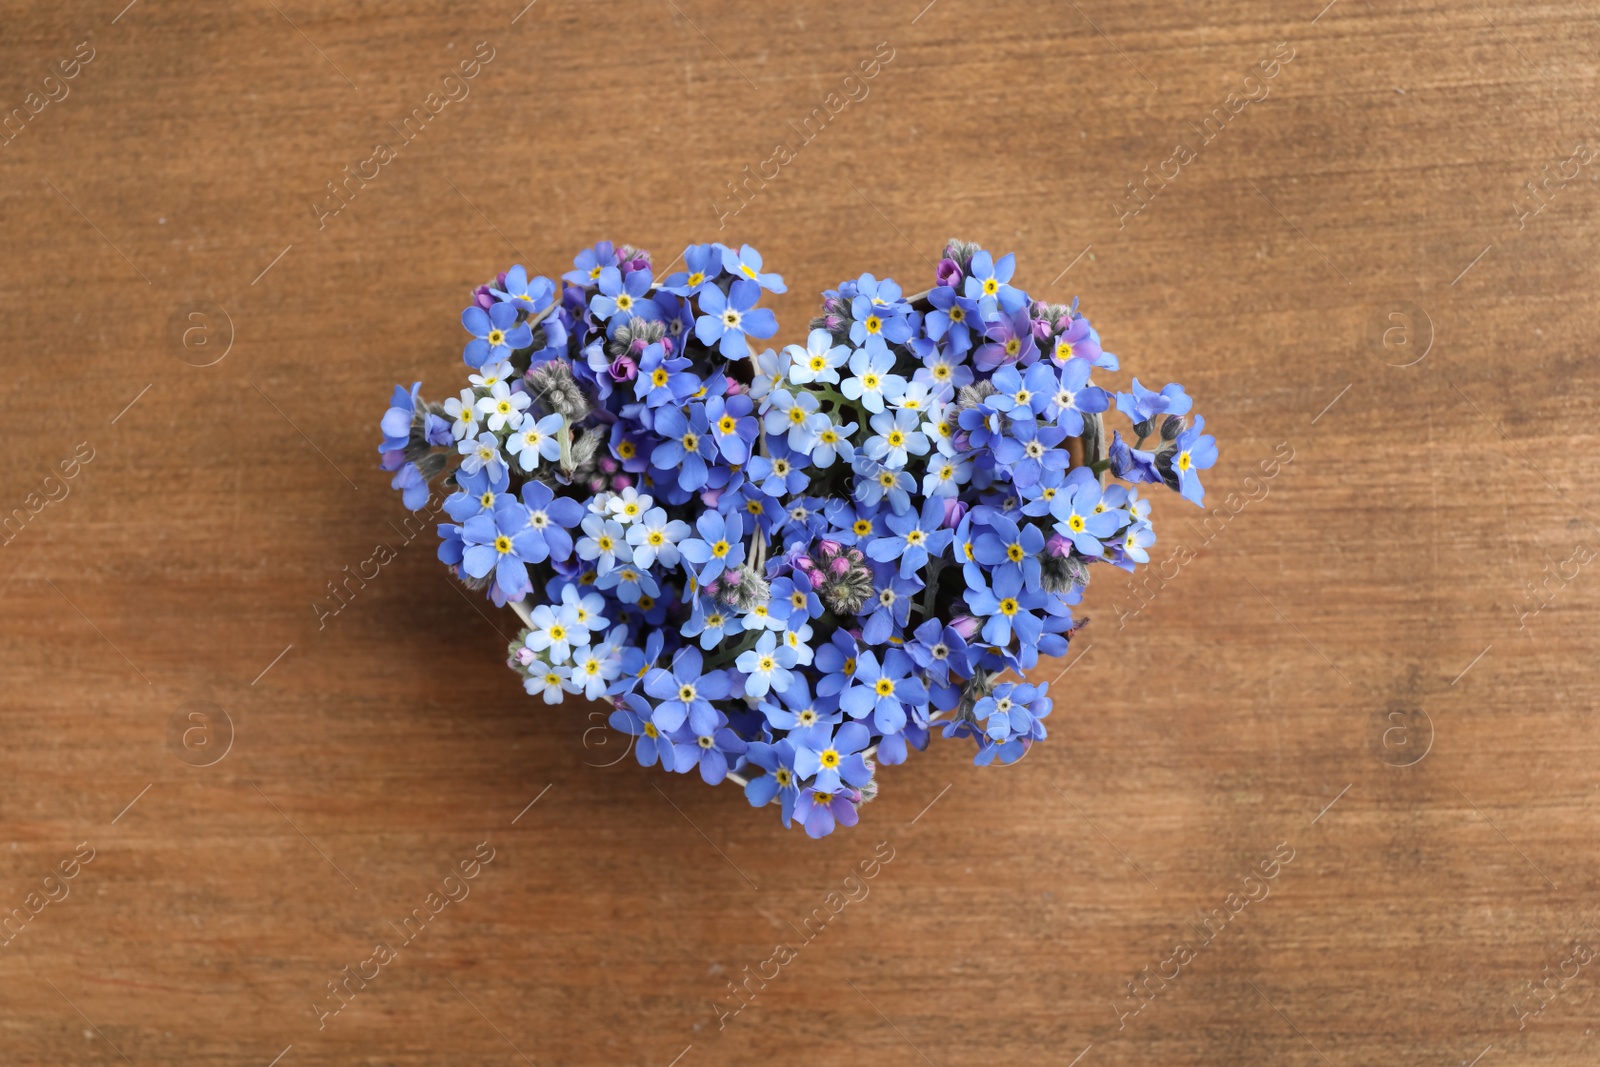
[(1343, 660)]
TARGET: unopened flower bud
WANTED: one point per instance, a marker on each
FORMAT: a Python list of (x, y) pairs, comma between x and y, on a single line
[(954, 511), (1172, 426), (965, 625)]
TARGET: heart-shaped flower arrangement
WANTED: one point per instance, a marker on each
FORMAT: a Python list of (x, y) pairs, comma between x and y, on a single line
[(785, 568)]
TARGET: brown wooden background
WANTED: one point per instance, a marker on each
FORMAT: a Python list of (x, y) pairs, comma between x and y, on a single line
[(1350, 664)]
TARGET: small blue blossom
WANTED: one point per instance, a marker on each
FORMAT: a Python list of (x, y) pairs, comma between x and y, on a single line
[(726, 320), (495, 333)]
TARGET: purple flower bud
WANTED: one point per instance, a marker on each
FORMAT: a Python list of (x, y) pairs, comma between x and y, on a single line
[(624, 369), (482, 297), (608, 465), (965, 625), (621, 482), (1057, 545), (954, 511), (948, 272), (524, 656), (710, 497), (828, 548)]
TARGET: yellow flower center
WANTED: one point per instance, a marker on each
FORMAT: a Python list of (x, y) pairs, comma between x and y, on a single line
[(496, 337), (829, 758), (884, 687), (502, 544), (720, 549), (1008, 606)]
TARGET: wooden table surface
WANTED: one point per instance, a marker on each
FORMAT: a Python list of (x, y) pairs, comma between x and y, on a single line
[(1370, 670)]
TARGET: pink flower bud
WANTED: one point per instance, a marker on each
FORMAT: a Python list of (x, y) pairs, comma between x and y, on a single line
[(710, 497), (965, 625), (524, 656), (839, 567), (829, 548), (608, 465), (806, 564), (948, 272), (1057, 545), (954, 511), (621, 482), (624, 369)]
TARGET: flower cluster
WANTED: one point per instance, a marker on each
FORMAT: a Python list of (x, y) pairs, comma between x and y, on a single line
[(787, 567)]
